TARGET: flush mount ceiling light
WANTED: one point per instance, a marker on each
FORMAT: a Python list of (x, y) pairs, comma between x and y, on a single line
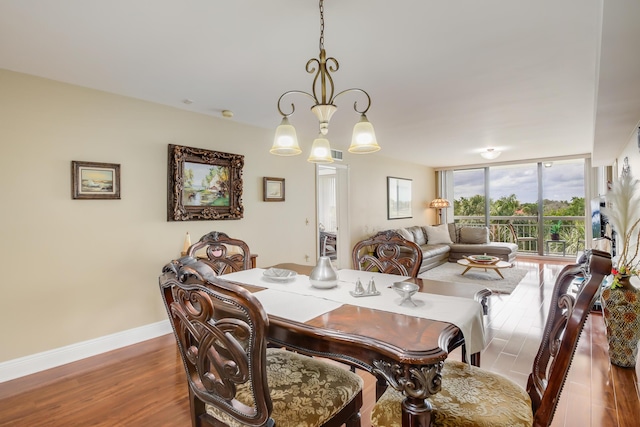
[(285, 142), (490, 154)]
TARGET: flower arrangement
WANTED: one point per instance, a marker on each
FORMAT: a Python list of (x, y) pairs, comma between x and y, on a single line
[(624, 202)]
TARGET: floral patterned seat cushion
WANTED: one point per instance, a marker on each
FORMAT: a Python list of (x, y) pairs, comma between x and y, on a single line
[(469, 397), (305, 392)]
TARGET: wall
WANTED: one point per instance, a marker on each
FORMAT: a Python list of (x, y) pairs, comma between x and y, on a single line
[(632, 152), (75, 270)]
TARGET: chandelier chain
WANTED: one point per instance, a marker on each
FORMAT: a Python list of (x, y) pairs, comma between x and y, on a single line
[(321, 24)]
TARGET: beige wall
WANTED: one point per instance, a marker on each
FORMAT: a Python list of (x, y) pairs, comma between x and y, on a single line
[(81, 269)]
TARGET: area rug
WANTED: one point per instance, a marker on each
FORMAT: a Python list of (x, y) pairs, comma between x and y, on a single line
[(451, 272)]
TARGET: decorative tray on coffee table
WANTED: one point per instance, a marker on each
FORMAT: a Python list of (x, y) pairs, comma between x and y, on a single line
[(483, 259)]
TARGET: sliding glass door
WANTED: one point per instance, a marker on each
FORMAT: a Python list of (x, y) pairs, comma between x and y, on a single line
[(539, 206)]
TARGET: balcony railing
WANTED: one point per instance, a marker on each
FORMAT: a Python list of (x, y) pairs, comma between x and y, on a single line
[(570, 240)]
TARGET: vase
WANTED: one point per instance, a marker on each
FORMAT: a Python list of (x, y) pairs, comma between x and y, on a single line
[(621, 310), (323, 274)]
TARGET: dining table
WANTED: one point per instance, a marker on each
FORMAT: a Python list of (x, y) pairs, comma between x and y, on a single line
[(403, 345)]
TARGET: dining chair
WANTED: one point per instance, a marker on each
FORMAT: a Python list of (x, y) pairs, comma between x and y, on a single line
[(471, 396), (387, 252), (222, 253), (233, 378)]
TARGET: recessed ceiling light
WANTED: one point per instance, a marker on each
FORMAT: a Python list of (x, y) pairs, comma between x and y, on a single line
[(227, 114), (187, 101)]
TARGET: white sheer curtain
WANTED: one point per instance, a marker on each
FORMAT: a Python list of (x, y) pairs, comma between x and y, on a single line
[(445, 191), (327, 202)]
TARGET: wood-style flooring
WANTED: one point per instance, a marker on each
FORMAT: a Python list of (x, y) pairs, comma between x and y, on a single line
[(143, 384)]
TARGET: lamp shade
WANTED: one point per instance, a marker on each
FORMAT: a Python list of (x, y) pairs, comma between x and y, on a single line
[(285, 143), (363, 139), (440, 203), (320, 151)]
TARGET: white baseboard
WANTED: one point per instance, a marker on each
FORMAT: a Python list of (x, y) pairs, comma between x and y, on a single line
[(27, 365)]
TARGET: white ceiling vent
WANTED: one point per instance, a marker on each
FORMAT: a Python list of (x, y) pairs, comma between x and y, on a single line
[(336, 155)]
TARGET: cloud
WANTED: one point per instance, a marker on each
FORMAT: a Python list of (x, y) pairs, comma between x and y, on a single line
[(563, 181)]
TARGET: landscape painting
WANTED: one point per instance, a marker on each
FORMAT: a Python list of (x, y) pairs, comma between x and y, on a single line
[(204, 184), (90, 180)]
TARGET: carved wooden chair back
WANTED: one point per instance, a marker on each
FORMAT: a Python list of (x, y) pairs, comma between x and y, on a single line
[(223, 253), (221, 331), (387, 252), (565, 321), (474, 396)]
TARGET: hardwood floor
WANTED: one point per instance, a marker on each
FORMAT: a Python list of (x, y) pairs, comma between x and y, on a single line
[(143, 384)]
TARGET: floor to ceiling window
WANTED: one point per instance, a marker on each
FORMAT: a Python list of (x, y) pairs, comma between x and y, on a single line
[(539, 206)]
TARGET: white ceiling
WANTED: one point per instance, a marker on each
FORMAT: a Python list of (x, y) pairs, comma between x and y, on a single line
[(531, 78)]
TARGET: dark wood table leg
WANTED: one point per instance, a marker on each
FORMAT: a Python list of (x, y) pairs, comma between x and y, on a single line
[(475, 359), (416, 412), (417, 383)]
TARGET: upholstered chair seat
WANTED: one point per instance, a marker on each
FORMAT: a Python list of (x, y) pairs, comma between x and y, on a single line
[(469, 397), (305, 392), (234, 379), (473, 397)]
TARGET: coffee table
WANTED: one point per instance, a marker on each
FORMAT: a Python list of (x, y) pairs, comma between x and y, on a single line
[(495, 266)]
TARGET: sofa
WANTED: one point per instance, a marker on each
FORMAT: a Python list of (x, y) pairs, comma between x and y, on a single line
[(450, 242)]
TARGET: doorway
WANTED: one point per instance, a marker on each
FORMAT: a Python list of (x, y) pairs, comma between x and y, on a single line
[(332, 197)]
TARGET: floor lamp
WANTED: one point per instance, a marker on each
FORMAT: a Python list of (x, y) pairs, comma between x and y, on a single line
[(440, 204)]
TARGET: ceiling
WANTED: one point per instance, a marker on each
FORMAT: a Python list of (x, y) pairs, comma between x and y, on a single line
[(532, 78)]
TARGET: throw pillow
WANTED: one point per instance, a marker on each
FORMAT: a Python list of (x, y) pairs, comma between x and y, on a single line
[(438, 234), (418, 235), (474, 235), (405, 234), (453, 232)]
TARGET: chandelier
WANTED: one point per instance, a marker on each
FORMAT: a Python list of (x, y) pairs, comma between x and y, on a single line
[(363, 139)]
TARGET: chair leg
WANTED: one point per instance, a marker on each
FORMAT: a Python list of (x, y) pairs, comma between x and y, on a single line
[(354, 421)]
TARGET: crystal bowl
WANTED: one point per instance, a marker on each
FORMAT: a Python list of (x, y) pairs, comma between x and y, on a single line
[(405, 290)]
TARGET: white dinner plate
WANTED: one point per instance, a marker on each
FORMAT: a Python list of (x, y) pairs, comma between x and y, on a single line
[(279, 274)]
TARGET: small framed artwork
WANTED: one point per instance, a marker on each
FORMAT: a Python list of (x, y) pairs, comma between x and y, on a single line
[(273, 189), (204, 184), (91, 180), (398, 198)]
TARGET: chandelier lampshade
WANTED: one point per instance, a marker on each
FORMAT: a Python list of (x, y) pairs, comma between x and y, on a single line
[(285, 143), (364, 137), (363, 140), (320, 151)]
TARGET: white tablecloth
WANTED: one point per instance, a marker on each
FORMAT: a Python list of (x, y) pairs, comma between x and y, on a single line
[(291, 301)]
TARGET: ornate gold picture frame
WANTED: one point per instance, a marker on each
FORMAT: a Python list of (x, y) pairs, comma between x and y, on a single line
[(204, 184)]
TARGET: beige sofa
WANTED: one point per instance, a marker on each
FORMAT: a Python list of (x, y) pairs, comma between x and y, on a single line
[(449, 242)]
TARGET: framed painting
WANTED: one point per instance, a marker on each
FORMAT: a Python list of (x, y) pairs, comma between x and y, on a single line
[(398, 198), (273, 189), (91, 180), (204, 184)]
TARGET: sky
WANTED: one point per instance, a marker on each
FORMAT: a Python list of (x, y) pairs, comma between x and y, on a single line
[(561, 181)]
